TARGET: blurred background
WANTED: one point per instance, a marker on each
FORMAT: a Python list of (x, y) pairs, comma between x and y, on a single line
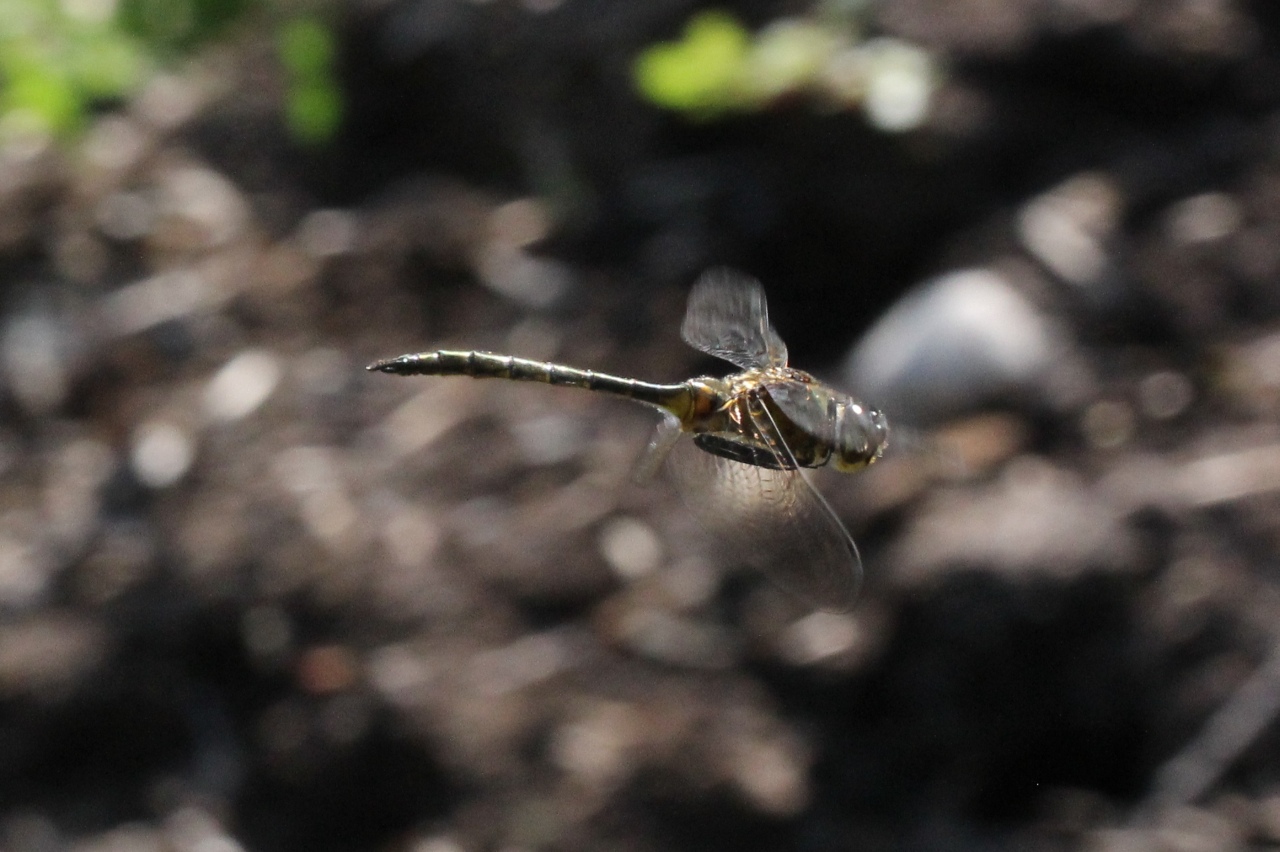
[(255, 598)]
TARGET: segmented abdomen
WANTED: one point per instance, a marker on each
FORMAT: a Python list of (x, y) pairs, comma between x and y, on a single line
[(487, 365)]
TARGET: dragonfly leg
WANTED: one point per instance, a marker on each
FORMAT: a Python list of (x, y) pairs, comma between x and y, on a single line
[(768, 429)]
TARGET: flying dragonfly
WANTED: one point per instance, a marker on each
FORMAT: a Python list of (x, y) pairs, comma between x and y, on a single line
[(753, 433)]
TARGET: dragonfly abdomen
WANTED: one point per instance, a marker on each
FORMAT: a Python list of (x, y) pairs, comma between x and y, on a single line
[(487, 365)]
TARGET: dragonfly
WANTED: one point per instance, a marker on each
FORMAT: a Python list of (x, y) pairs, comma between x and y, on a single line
[(755, 433)]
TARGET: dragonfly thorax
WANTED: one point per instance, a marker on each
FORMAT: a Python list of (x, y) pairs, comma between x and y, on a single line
[(778, 417)]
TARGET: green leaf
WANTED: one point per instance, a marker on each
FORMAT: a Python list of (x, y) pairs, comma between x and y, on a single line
[(306, 48), (106, 64), (699, 73), (313, 111), (787, 56), (36, 94)]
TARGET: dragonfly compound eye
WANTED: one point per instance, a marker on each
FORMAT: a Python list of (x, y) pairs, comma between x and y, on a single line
[(861, 436)]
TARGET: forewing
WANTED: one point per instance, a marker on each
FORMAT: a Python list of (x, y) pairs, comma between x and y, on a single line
[(772, 520), (727, 317)]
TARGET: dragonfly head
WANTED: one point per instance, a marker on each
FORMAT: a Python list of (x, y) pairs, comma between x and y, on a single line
[(861, 437)]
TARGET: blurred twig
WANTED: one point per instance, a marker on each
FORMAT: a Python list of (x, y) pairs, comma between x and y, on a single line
[(1194, 770)]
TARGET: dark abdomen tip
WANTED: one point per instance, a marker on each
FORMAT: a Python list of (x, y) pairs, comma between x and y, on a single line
[(390, 365)]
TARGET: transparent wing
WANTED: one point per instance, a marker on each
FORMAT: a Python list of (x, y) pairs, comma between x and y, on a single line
[(665, 437), (772, 520), (727, 317), (807, 406)]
